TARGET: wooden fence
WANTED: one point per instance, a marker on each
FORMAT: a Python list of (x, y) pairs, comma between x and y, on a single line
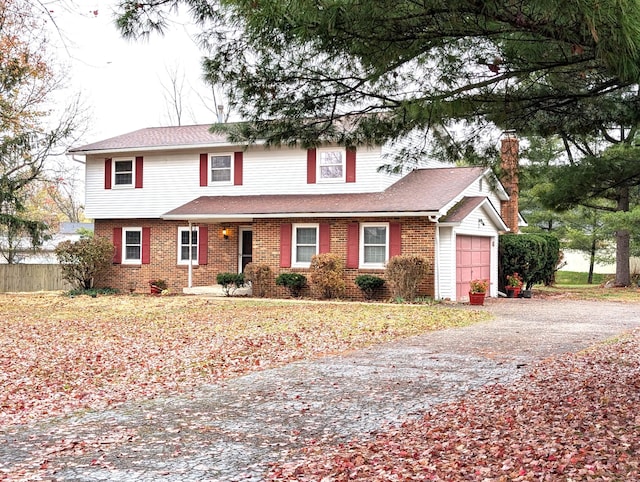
[(31, 277)]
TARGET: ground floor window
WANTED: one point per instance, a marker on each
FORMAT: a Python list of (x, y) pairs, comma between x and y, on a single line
[(187, 245), (374, 245), (305, 244), (132, 243)]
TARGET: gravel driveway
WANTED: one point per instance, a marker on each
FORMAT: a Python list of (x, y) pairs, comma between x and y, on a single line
[(231, 432)]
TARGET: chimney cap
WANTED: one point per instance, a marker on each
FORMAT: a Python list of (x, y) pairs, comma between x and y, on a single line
[(509, 133)]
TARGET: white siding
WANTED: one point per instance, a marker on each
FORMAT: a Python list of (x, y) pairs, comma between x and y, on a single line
[(173, 178), (447, 266)]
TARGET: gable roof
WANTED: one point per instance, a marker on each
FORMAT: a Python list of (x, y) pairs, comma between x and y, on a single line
[(423, 192), (160, 138), (467, 205)]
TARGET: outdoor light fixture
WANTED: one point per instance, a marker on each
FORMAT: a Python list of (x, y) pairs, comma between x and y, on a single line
[(225, 233)]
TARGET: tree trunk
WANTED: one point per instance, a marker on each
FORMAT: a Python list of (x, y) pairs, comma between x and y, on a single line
[(623, 271), (592, 260)]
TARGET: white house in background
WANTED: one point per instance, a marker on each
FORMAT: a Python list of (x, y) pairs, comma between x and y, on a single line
[(45, 254)]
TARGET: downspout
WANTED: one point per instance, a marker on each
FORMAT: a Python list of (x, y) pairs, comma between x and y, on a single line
[(190, 270), (436, 258)]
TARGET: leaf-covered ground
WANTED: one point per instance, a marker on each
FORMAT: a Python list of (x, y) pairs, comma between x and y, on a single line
[(572, 418), (61, 354)]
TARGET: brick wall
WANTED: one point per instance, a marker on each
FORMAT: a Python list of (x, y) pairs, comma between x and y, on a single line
[(418, 235), (509, 179)]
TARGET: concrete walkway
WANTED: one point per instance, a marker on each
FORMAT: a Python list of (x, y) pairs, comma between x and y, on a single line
[(232, 432)]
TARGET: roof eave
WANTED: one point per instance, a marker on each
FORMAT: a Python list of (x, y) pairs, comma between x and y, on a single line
[(251, 216)]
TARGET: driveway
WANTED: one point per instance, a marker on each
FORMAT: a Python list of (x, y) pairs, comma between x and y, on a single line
[(232, 431)]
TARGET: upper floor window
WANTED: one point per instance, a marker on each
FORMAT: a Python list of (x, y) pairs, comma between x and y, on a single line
[(132, 244), (123, 172), (304, 244), (187, 245), (220, 168), (374, 245), (331, 165)]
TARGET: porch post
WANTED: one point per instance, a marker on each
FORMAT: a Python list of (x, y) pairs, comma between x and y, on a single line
[(190, 270)]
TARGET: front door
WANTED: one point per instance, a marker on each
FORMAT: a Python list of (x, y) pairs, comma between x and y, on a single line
[(246, 248)]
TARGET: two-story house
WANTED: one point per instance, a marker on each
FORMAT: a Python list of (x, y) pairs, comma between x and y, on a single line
[(183, 204)]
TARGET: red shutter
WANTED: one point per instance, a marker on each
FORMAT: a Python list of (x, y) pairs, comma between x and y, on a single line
[(285, 245), (138, 172), (237, 168), (325, 238), (311, 166), (351, 165), (107, 173), (204, 168), (117, 243), (395, 239), (146, 245), (203, 245), (353, 245)]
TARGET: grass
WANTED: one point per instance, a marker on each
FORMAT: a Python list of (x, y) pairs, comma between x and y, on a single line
[(572, 278), (573, 285)]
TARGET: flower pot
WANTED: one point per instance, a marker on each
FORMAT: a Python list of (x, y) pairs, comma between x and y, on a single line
[(513, 291), (525, 294), (155, 290), (476, 299)]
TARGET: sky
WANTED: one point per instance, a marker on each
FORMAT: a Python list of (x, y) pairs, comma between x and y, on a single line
[(121, 81)]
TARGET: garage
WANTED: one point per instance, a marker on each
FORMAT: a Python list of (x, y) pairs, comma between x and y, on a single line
[(473, 261)]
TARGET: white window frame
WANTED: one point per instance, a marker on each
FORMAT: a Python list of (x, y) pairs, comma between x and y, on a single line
[(364, 264), (294, 244), (181, 230), (115, 161), (343, 154), (210, 168), (124, 246)]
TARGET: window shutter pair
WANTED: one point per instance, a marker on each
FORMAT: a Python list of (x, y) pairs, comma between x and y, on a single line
[(238, 160), (108, 172), (350, 166), (353, 243), (286, 231), (146, 245)]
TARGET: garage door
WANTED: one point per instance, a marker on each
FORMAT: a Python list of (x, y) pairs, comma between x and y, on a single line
[(473, 261)]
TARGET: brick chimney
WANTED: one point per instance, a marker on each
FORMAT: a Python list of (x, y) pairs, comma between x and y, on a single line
[(509, 179)]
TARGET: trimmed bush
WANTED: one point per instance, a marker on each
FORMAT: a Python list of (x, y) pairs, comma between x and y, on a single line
[(534, 256), (293, 282), (230, 282), (327, 275), (258, 275), (404, 274), (369, 285)]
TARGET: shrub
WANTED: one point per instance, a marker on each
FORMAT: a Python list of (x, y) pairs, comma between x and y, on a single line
[(327, 275), (258, 275), (534, 256), (404, 274), (369, 285), (230, 282), (93, 292), (82, 260), (293, 282)]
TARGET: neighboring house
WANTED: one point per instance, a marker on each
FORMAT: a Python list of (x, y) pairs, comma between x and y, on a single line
[(183, 204), (45, 253)]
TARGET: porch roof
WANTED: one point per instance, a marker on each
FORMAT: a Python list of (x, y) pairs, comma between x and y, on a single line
[(423, 192)]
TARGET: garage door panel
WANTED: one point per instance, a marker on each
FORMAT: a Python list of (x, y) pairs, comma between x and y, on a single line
[(473, 260)]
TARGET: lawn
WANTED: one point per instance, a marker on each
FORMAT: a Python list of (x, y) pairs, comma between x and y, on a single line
[(60, 354), (573, 285)]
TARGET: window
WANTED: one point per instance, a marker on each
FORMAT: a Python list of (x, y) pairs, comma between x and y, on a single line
[(331, 166), (220, 167), (374, 248), (187, 245), (305, 244), (123, 172), (132, 243)]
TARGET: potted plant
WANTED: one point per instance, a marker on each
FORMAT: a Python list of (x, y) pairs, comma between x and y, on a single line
[(514, 285), (157, 286), (477, 291)]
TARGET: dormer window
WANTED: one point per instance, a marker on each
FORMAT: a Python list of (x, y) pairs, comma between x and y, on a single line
[(331, 165)]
